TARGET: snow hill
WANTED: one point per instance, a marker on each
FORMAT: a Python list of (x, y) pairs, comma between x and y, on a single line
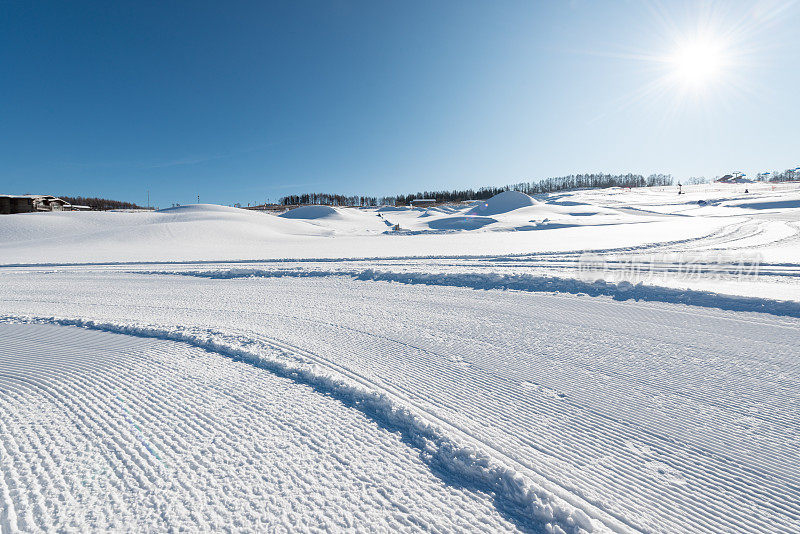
[(502, 203), (509, 223)]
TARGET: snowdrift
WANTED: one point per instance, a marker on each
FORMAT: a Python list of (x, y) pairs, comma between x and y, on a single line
[(502, 203), (620, 291)]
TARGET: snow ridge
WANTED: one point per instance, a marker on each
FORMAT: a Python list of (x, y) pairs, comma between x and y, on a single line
[(515, 494), (621, 291)]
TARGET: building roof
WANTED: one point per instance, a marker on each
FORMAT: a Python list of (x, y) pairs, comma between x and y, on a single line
[(48, 197)]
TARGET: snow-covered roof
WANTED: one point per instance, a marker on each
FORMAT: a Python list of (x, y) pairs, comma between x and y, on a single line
[(48, 197)]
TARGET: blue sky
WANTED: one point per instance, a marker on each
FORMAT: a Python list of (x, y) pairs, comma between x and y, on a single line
[(245, 101)]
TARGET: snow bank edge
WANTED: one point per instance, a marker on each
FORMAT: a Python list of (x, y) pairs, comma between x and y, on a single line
[(620, 291)]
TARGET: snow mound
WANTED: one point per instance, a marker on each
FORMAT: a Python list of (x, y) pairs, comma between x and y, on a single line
[(310, 212), (502, 203)]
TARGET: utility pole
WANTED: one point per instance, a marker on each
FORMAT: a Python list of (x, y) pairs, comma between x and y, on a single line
[(148, 199)]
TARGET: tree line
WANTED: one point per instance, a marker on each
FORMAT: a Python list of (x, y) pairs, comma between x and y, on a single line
[(328, 200), (101, 203), (789, 175), (548, 185)]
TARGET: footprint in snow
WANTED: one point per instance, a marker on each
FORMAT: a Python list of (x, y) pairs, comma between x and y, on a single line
[(665, 472), (638, 448), (542, 390)]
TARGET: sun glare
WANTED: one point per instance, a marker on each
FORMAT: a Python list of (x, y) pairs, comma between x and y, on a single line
[(698, 63)]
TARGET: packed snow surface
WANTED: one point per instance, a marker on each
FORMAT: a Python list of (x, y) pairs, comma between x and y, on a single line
[(109, 432), (588, 361)]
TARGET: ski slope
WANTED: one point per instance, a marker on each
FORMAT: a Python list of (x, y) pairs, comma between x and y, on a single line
[(208, 368)]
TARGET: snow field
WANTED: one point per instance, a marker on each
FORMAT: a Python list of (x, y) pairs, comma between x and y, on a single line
[(511, 223), (240, 370), (103, 432), (648, 416)]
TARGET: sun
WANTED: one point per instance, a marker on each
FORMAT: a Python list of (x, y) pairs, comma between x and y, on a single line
[(698, 63)]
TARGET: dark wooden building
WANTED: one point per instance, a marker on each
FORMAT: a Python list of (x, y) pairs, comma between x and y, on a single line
[(27, 203)]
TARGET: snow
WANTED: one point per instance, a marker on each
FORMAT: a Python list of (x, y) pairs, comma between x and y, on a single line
[(460, 223), (768, 204), (151, 422), (581, 220), (212, 368), (621, 291), (310, 212), (502, 203)]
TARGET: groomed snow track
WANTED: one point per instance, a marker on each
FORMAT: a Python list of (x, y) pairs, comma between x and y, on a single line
[(645, 416), (108, 432)]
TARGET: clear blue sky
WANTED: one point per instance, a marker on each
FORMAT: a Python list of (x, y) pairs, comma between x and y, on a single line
[(243, 101)]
